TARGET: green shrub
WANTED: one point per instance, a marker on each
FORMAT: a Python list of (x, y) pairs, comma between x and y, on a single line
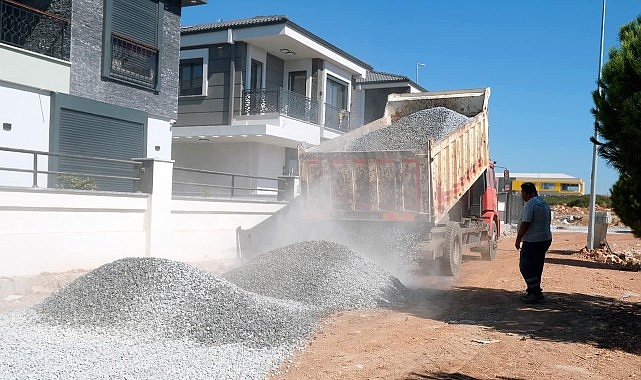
[(578, 201), (76, 183)]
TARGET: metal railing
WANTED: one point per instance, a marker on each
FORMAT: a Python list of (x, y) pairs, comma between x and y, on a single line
[(87, 172), (207, 183), (34, 29), (336, 118), (281, 101), (133, 61)]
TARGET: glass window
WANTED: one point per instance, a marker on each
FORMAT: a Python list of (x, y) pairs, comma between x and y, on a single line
[(336, 93), (256, 81), (298, 82), (191, 77), (570, 187), (548, 186)]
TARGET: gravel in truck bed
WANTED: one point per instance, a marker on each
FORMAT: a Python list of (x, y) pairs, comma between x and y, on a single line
[(151, 318), (411, 132)]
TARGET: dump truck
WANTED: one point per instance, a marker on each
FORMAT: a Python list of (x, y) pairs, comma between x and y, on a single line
[(435, 183)]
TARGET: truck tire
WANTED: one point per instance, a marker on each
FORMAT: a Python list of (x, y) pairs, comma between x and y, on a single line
[(489, 251), (452, 255)]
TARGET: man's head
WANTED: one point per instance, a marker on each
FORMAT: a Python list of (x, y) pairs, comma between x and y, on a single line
[(528, 191)]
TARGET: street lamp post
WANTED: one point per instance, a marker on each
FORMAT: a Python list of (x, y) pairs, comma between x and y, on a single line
[(591, 243), (417, 65)]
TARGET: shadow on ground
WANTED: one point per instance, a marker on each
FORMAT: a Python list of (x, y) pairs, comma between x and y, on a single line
[(600, 321), (448, 376)]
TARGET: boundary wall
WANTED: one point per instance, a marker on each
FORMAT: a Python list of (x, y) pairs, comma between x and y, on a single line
[(57, 230)]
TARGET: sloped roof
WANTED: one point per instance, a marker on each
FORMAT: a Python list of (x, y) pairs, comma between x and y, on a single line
[(379, 77), (541, 175), (239, 23), (264, 21)]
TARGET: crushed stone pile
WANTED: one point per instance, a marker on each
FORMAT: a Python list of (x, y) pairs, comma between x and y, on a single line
[(412, 131), (165, 298), (322, 273), (151, 318)]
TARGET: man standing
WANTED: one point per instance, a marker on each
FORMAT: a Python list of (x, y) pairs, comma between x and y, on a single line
[(535, 234)]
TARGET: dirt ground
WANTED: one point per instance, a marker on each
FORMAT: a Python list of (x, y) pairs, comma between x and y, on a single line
[(475, 327)]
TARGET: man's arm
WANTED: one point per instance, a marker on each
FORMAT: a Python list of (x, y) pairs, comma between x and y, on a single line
[(519, 235)]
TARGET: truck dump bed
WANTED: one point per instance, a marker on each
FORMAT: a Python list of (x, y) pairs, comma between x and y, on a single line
[(413, 164)]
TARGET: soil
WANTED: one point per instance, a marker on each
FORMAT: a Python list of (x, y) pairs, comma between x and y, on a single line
[(473, 326)]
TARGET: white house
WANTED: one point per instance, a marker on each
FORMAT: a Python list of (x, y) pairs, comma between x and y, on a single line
[(252, 90)]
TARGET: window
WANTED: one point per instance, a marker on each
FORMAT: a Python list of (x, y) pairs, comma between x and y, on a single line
[(193, 72), (570, 187), (191, 77), (548, 186), (256, 81), (336, 93), (133, 30), (298, 82)]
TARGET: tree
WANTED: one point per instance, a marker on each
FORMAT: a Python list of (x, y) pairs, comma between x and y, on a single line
[(617, 112)]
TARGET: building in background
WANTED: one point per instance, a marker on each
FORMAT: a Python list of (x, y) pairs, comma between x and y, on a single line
[(92, 77), (252, 90), (548, 183)]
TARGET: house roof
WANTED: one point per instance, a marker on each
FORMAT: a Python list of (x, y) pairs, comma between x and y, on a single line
[(378, 77), (258, 21), (541, 175)]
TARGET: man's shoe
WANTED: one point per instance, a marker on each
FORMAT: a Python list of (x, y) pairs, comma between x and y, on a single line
[(532, 298)]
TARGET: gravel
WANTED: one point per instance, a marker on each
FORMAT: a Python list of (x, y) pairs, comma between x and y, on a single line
[(411, 132), (152, 318), (321, 273)]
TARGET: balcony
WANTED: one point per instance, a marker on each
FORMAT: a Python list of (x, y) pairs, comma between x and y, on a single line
[(336, 118), (35, 30), (281, 101)]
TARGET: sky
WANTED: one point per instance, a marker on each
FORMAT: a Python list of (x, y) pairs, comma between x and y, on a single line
[(540, 59)]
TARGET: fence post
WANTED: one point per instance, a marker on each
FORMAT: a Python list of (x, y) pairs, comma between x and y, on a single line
[(35, 170), (156, 180)]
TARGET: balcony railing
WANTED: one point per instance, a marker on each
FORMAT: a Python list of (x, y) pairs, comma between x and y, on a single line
[(133, 61), (336, 118), (34, 30), (283, 102), (207, 183), (33, 168)]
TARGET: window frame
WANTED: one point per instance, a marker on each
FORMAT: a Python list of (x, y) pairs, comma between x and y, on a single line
[(337, 83), (193, 54), (108, 47)]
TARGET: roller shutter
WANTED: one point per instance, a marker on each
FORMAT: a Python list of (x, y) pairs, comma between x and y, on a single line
[(95, 135)]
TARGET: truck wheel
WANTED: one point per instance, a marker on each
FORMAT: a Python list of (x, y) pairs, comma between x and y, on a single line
[(451, 260), (489, 251)]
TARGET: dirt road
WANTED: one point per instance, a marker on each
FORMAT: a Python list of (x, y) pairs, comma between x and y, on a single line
[(474, 326)]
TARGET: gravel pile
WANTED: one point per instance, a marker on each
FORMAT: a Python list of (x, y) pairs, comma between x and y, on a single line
[(150, 318), (412, 131), (168, 299), (321, 273)]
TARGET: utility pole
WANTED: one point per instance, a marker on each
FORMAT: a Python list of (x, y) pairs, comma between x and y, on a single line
[(594, 149), (417, 65)]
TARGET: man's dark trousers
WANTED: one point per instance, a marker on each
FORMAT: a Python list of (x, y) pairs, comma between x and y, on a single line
[(531, 264)]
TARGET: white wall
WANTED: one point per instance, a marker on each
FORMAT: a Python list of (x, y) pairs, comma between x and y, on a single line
[(34, 70), (158, 139), (56, 230), (248, 158), (63, 230), (205, 230), (28, 113)]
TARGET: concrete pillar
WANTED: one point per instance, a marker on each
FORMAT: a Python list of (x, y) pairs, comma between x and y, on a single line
[(156, 179)]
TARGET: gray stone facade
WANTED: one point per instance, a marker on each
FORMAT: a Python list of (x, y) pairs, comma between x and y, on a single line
[(86, 63)]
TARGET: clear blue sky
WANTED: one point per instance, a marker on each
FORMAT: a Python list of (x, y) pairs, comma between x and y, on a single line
[(540, 58)]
